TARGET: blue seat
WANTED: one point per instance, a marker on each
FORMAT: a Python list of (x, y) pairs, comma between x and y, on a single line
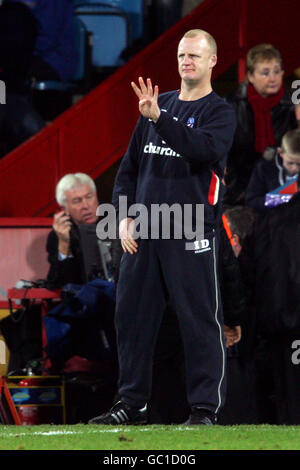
[(80, 34), (135, 10), (110, 32)]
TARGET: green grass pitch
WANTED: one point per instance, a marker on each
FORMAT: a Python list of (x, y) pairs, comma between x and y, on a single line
[(92, 437)]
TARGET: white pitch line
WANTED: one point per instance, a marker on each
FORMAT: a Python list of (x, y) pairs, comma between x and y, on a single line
[(55, 433), (99, 431), (113, 430)]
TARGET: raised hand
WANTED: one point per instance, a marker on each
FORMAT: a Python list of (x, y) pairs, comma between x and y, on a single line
[(62, 226), (147, 99)]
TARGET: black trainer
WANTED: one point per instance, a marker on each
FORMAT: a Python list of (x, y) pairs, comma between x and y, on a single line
[(201, 416), (121, 413)]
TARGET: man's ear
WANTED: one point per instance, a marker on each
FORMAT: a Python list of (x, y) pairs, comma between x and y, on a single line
[(213, 60)]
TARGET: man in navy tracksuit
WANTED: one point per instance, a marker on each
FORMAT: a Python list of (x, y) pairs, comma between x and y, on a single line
[(177, 155)]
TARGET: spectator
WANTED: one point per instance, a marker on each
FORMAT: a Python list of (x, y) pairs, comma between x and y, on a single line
[(240, 406), (270, 174), (92, 334), (77, 196), (239, 222), (264, 113), (253, 349)]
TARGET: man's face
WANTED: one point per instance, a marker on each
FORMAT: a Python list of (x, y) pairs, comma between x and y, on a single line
[(195, 60), (81, 204), (291, 163), (267, 77)]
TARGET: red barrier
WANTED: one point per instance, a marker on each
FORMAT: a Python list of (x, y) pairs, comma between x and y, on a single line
[(22, 251)]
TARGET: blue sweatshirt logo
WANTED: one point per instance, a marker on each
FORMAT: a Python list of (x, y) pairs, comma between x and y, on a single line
[(190, 122)]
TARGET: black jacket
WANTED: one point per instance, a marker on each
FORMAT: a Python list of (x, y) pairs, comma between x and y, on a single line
[(277, 261), (70, 270), (243, 157)]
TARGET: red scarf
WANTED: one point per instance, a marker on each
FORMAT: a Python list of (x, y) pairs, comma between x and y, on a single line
[(264, 133)]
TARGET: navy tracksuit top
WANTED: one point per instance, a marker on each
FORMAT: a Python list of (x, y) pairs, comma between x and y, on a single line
[(181, 157)]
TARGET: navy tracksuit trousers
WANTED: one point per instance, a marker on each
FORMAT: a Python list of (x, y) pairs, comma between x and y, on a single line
[(164, 270)]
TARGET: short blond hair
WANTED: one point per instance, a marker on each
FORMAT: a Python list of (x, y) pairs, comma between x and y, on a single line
[(193, 33), (290, 142)]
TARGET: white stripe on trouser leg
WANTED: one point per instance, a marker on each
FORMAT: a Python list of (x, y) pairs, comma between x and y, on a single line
[(220, 328)]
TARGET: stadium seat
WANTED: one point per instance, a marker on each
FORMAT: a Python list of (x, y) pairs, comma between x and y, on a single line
[(81, 39), (110, 32), (135, 10)]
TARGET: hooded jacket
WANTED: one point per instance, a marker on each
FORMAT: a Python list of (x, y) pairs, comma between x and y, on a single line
[(267, 176)]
